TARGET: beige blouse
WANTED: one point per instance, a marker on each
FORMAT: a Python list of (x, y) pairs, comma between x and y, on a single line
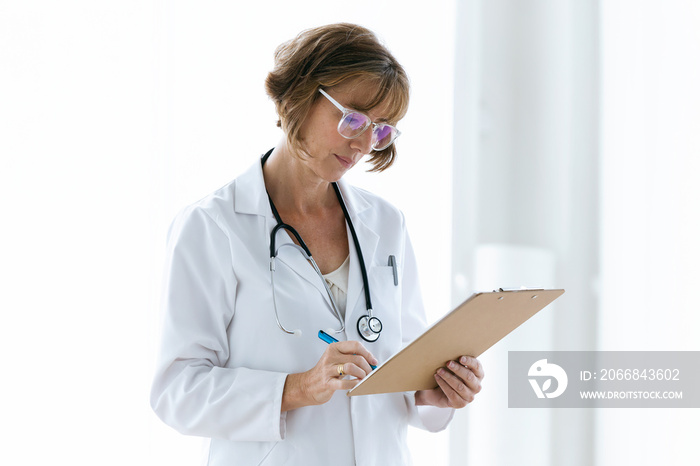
[(338, 283)]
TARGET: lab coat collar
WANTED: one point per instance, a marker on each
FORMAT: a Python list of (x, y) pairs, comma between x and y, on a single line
[(355, 203), (250, 196)]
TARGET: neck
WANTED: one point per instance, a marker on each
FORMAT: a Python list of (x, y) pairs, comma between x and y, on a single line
[(293, 187)]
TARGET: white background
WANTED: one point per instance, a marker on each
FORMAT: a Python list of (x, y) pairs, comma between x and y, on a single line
[(114, 115)]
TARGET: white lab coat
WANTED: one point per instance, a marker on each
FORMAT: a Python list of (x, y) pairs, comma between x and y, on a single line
[(223, 360)]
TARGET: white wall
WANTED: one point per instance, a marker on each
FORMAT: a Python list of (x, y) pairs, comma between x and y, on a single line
[(113, 116), (650, 213), (578, 135), (78, 145), (525, 212)]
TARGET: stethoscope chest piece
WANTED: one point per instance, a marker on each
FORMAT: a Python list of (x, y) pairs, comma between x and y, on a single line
[(369, 328)]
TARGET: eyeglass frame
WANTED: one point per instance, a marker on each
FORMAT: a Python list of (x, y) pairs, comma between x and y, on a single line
[(374, 125)]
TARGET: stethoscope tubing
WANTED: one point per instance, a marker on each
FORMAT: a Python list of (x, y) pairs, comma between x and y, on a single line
[(308, 257), (360, 258)]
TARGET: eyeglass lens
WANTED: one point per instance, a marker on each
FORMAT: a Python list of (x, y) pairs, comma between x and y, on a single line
[(353, 124), (383, 136)]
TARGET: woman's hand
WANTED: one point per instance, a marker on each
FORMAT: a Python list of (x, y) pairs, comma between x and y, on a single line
[(458, 383), (316, 386)]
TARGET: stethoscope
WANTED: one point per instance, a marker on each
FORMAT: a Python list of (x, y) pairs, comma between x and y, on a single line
[(368, 326)]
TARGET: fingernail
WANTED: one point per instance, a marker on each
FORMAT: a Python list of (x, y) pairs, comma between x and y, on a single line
[(463, 360), (441, 371), (452, 365)]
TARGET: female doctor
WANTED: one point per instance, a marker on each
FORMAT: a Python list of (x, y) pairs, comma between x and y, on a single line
[(257, 268)]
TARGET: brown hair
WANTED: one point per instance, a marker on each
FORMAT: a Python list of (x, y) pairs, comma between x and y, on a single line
[(327, 56)]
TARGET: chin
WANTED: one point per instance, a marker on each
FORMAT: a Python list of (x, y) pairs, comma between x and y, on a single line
[(334, 178)]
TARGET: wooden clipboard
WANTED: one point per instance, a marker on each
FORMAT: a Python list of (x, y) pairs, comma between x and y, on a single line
[(470, 329)]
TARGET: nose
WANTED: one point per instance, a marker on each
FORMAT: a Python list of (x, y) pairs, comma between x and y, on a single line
[(363, 143)]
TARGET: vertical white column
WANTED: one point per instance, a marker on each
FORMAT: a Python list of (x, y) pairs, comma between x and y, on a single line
[(501, 436), (464, 181), (530, 210)]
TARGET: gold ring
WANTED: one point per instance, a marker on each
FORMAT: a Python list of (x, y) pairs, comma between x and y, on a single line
[(340, 369)]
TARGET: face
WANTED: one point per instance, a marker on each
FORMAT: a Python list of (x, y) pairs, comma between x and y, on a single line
[(332, 155)]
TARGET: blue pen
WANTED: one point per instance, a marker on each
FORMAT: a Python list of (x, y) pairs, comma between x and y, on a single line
[(329, 339)]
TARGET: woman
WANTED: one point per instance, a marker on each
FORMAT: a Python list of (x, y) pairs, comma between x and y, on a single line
[(240, 361)]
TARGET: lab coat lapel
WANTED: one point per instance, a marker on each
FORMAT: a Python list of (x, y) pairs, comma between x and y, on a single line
[(251, 198)]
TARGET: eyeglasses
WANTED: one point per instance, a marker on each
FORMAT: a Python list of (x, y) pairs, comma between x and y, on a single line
[(353, 124)]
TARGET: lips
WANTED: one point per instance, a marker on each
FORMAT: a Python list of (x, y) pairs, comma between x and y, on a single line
[(344, 161)]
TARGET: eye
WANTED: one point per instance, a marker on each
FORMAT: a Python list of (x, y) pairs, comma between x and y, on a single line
[(382, 132), (353, 123), (384, 135)]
